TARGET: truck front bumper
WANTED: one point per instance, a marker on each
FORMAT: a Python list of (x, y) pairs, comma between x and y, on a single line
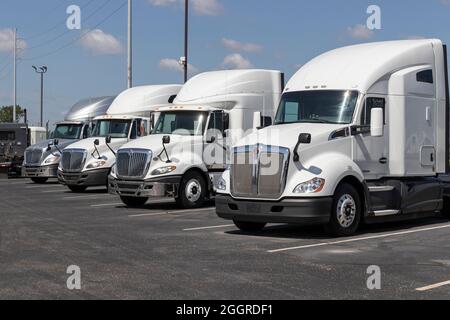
[(40, 172), (295, 211), (166, 187), (91, 178)]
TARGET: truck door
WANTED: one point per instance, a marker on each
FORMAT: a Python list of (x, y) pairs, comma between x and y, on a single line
[(371, 153), (215, 141)]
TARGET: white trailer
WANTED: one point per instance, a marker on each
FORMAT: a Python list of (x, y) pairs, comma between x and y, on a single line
[(42, 158), (88, 162), (188, 146), (361, 135)]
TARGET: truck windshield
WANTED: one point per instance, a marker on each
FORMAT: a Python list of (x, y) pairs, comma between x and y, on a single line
[(321, 106), (113, 128), (181, 122), (68, 131)]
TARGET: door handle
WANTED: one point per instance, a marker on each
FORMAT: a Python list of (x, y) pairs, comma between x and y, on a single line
[(383, 160), (432, 157)]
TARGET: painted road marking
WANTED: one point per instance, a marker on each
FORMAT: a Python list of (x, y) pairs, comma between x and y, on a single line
[(45, 186), (54, 191), (322, 244), (212, 227), (107, 205), (434, 286), (84, 197)]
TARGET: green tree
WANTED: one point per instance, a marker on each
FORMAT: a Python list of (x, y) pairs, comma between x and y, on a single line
[(6, 113)]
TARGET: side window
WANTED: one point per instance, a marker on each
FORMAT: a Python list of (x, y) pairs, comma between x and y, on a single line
[(86, 132), (370, 104), (425, 76), (143, 125), (291, 112), (134, 130), (217, 121)]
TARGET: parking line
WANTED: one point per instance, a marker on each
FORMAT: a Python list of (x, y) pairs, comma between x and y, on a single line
[(434, 286), (359, 239), (212, 227), (53, 191), (84, 197), (44, 186), (148, 214), (106, 205)]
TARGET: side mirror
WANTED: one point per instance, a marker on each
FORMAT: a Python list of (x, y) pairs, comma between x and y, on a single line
[(377, 122), (211, 139), (166, 140), (257, 120), (55, 142), (49, 148), (303, 138), (108, 139), (97, 142)]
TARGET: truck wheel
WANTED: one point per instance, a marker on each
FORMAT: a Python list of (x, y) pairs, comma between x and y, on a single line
[(39, 180), (345, 212), (192, 191), (134, 202), (445, 212), (77, 189), (250, 226)]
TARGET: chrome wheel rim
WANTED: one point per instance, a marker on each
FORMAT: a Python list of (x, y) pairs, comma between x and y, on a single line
[(193, 190), (346, 211)]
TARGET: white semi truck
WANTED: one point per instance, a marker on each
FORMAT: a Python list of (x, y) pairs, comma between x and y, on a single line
[(42, 159), (188, 146), (88, 162), (361, 135)]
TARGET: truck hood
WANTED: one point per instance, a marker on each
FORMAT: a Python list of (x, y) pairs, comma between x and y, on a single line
[(154, 142), (286, 135), (44, 144)]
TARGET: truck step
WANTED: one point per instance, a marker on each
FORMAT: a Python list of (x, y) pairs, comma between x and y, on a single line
[(381, 188), (383, 213)]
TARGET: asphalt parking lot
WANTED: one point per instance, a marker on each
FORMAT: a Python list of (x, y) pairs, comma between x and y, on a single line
[(160, 252)]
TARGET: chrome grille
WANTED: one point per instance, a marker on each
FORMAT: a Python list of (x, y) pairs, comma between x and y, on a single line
[(73, 160), (133, 163), (259, 171), (33, 156)]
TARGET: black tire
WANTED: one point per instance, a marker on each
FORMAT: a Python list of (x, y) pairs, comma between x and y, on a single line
[(346, 211), (77, 189), (250, 226), (39, 180), (134, 202), (192, 192), (445, 212)]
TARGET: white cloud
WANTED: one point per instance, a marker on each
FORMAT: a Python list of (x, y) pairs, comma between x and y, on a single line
[(237, 46), (445, 2), (174, 65), (101, 43), (236, 61), (199, 7), (359, 32), (7, 41)]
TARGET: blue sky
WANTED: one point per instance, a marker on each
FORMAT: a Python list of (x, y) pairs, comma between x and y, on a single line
[(275, 34)]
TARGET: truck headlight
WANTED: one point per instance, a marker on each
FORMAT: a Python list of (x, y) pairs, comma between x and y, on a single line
[(51, 159), (312, 186), (96, 164), (221, 184), (163, 170)]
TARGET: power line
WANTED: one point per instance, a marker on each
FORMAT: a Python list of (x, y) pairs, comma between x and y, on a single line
[(67, 31), (78, 38)]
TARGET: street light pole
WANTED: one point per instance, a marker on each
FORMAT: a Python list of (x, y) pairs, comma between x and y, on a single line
[(15, 78), (41, 71), (130, 44), (186, 38)]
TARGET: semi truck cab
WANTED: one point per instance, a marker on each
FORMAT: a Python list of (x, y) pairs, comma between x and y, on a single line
[(188, 148), (42, 159), (88, 162), (361, 135)]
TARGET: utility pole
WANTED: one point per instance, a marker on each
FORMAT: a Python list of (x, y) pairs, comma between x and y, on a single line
[(41, 70), (130, 44), (186, 38), (15, 77)]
